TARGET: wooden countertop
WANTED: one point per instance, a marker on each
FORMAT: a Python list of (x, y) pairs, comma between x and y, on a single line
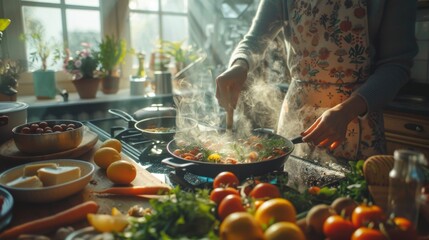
[(24, 212)]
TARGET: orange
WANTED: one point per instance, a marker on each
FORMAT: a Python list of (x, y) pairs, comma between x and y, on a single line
[(240, 226), (275, 210), (121, 172), (113, 143), (284, 230), (105, 156)]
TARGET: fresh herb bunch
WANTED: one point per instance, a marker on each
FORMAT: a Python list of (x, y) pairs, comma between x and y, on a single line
[(83, 65), (184, 215)]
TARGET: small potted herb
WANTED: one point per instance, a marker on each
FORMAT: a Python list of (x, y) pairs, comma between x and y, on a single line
[(42, 49), (182, 55), (83, 67), (9, 74), (111, 54)]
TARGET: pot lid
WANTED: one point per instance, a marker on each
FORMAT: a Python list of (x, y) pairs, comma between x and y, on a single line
[(7, 107)]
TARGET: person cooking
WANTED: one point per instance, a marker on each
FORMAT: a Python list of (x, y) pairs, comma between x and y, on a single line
[(346, 58)]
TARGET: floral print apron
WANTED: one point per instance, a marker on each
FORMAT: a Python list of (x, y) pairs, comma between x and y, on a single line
[(329, 58)]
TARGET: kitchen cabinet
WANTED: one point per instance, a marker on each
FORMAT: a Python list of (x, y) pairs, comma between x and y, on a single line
[(406, 130)]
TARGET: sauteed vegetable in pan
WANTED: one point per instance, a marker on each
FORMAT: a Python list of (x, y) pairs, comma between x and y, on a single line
[(252, 149)]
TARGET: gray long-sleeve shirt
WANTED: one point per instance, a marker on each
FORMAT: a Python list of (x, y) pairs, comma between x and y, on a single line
[(391, 27)]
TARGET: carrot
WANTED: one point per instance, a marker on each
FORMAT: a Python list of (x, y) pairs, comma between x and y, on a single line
[(135, 190), (46, 224)]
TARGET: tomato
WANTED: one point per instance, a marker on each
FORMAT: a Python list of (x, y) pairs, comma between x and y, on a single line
[(336, 227), (217, 194), (364, 233), (240, 226), (314, 190), (364, 214), (225, 179), (230, 204), (265, 190), (284, 230), (275, 210), (402, 229)]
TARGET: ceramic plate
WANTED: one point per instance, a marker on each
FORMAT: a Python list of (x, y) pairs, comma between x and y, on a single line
[(51, 193), (88, 233), (6, 208)]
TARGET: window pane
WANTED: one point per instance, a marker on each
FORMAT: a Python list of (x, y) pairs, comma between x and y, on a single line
[(43, 1), (151, 5), (180, 6), (46, 21), (144, 32), (92, 3), (83, 26), (175, 28)]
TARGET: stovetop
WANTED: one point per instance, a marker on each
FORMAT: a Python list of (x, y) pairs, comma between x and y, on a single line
[(301, 173)]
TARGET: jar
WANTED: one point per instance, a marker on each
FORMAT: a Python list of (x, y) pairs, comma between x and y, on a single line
[(405, 183)]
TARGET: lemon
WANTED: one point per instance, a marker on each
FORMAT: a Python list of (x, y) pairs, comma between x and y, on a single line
[(121, 172), (105, 156), (108, 223), (113, 143)]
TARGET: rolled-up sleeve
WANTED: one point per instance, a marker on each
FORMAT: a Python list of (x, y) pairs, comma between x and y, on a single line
[(265, 26), (395, 48)]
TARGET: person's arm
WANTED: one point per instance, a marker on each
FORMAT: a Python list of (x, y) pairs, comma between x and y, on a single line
[(265, 27), (395, 47)]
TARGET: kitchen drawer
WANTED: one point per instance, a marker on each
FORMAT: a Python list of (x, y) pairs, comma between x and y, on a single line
[(409, 125)]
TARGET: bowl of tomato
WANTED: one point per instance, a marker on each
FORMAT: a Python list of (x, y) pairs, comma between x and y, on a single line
[(45, 137)]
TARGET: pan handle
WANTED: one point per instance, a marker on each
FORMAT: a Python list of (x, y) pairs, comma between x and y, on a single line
[(127, 117), (297, 139), (167, 161)]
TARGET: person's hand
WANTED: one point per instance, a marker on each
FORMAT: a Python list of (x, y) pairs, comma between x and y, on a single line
[(230, 83), (329, 130)]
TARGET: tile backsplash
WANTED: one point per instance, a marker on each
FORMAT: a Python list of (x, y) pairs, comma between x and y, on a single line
[(420, 70)]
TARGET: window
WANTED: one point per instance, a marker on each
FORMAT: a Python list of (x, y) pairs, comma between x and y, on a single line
[(62, 23), (151, 21)]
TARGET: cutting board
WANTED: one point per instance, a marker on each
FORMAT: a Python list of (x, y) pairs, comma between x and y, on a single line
[(9, 153)]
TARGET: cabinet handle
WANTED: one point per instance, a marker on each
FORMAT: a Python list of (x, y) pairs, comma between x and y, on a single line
[(414, 127)]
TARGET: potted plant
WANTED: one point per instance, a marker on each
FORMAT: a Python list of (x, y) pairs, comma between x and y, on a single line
[(111, 54), (182, 55), (43, 78), (83, 67), (9, 73)]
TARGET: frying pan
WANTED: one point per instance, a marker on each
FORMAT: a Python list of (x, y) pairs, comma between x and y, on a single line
[(170, 123), (242, 170)]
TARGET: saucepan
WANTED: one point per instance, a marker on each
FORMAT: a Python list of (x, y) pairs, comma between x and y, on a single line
[(12, 114), (162, 128), (242, 170)]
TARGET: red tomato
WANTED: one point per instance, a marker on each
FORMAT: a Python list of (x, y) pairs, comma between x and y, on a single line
[(364, 233), (265, 190), (217, 194), (336, 227), (230, 204), (402, 229), (314, 190), (364, 214), (225, 179)]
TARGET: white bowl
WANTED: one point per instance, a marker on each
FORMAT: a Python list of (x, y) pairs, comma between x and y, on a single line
[(50, 193), (12, 114)]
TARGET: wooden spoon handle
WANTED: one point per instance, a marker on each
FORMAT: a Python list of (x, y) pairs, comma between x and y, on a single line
[(229, 118)]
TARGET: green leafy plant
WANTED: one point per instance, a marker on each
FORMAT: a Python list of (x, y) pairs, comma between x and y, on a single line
[(42, 47), (112, 53), (179, 52), (84, 64), (9, 73)]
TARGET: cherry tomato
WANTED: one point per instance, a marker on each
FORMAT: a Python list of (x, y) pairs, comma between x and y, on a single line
[(265, 190), (336, 227), (314, 190), (364, 214), (230, 204), (402, 229), (217, 194), (364, 233), (225, 179)]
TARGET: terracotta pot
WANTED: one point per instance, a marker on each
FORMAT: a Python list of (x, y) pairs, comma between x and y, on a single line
[(110, 84), (7, 98), (87, 87)]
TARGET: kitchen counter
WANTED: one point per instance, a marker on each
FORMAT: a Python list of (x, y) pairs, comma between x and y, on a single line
[(24, 212)]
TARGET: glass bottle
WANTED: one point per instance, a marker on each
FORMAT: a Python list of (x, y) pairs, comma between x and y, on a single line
[(140, 71), (405, 181)]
